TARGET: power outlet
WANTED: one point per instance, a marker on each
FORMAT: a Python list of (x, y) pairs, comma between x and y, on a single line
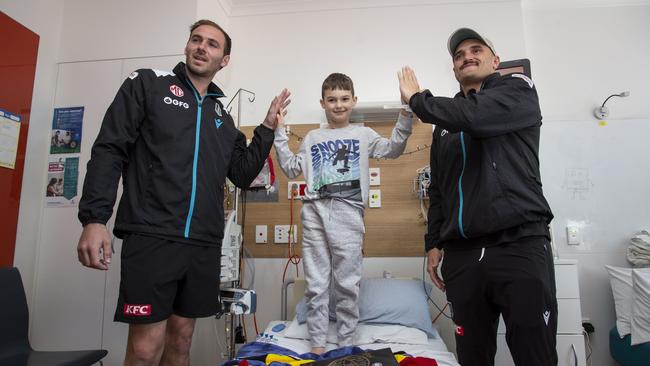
[(374, 176), (374, 198), (574, 233), (282, 234), (299, 186), (261, 232)]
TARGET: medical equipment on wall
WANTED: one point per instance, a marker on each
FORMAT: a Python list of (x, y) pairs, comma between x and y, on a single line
[(421, 182), (237, 301), (266, 177), (230, 248)]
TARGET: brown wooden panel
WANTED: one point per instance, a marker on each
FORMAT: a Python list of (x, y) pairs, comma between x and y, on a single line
[(394, 230), (19, 48)]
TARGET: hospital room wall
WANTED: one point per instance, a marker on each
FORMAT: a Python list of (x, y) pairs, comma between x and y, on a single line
[(298, 50), (580, 56), (573, 75)]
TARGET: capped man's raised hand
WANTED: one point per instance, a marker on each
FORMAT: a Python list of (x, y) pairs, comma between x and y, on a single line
[(408, 84)]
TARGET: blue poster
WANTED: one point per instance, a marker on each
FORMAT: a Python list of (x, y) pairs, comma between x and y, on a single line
[(66, 130)]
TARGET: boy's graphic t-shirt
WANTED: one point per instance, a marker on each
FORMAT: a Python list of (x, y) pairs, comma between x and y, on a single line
[(334, 161)]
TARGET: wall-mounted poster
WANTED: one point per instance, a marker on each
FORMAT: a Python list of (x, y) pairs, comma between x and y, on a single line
[(62, 178), (9, 133), (66, 130)]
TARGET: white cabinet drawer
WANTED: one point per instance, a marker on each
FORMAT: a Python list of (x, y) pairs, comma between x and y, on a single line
[(569, 349), (568, 318), (566, 281)]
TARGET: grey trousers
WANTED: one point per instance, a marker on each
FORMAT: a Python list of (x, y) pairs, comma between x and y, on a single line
[(331, 249)]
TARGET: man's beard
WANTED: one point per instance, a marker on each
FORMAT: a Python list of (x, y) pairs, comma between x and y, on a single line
[(197, 72)]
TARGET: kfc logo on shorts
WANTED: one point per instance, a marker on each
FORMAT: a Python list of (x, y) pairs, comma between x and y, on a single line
[(137, 309), (176, 90), (460, 331)]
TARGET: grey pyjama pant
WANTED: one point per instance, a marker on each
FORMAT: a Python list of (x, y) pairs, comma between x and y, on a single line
[(331, 249)]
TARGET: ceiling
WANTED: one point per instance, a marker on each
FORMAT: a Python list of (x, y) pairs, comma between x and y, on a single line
[(257, 7)]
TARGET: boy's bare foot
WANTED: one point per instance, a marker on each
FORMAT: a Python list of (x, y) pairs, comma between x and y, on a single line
[(318, 350)]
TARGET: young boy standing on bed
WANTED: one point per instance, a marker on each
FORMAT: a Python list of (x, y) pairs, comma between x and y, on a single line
[(334, 161)]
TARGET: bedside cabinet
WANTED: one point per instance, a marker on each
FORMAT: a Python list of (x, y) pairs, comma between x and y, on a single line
[(570, 341)]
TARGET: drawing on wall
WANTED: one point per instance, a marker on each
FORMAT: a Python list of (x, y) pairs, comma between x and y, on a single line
[(576, 181), (66, 130), (62, 178)]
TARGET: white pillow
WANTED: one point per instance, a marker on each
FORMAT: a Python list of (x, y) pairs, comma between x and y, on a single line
[(641, 306), (365, 333), (621, 280)]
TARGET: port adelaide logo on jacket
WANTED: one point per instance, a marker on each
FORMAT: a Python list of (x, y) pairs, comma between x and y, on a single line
[(178, 92)]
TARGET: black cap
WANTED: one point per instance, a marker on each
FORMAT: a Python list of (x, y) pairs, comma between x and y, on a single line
[(462, 34)]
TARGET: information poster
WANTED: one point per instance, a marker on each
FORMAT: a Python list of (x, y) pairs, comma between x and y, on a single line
[(9, 133), (62, 178), (66, 130)]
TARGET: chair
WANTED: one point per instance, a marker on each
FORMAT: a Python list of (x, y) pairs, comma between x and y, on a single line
[(15, 349), (624, 353)]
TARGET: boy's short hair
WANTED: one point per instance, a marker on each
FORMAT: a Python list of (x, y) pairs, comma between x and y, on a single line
[(198, 23), (337, 81)]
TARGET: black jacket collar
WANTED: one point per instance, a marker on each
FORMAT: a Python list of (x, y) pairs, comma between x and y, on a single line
[(181, 72), (488, 82)]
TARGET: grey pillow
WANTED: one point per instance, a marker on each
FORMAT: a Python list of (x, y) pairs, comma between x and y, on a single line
[(387, 301)]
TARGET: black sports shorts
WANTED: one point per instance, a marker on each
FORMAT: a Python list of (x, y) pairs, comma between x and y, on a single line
[(161, 277)]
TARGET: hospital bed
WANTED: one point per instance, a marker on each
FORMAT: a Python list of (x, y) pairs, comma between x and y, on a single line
[(394, 314)]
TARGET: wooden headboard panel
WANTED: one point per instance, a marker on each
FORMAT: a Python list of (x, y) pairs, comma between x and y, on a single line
[(394, 230)]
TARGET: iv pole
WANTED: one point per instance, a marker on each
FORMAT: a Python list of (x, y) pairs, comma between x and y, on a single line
[(230, 318), (251, 99)]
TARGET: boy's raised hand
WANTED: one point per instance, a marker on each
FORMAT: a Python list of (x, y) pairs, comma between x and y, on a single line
[(408, 84), (280, 117), (277, 108)]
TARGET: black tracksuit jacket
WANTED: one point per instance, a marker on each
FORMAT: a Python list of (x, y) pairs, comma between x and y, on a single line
[(173, 150), (485, 181)]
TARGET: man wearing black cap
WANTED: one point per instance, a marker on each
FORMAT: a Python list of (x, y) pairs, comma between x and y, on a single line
[(487, 214)]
